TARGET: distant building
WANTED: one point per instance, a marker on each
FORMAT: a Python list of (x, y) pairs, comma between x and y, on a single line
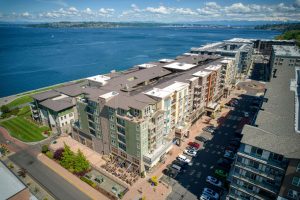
[(11, 187), (264, 46), (238, 48), (268, 161)]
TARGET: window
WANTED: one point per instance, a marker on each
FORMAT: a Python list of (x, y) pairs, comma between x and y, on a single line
[(256, 151), (65, 117), (293, 194), (62, 124), (277, 157), (296, 181), (71, 115), (61, 118), (298, 167)]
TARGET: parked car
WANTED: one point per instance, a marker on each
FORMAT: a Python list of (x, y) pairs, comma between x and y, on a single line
[(229, 155), (223, 160), (211, 193), (179, 163), (205, 197), (221, 173), (194, 144), (214, 181), (210, 129), (190, 152), (234, 143), (201, 139), (191, 148), (183, 159), (246, 114), (235, 139), (231, 148), (225, 166)]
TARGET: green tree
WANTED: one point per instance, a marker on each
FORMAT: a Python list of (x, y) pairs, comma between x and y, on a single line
[(67, 160), (80, 163), (4, 109)]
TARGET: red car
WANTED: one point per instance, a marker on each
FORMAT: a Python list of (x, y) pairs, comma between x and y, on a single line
[(194, 144)]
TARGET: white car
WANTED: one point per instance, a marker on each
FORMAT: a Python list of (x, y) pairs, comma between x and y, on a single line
[(214, 181), (183, 159), (211, 193), (190, 152), (205, 197)]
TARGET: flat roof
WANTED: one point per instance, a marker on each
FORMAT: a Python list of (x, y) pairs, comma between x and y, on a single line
[(179, 66), (286, 51), (202, 73), (166, 60), (9, 183), (166, 91), (98, 78), (147, 65), (213, 67)]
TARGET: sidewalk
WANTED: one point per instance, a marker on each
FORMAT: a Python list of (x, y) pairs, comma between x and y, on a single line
[(75, 181)]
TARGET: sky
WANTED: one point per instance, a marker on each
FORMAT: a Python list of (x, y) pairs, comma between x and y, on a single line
[(149, 10)]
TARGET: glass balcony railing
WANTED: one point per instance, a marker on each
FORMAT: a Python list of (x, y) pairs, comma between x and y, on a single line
[(262, 184), (252, 169)]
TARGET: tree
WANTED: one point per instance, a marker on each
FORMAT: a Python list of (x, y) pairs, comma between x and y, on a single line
[(80, 163), (45, 148), (67, 160), (4, 109)]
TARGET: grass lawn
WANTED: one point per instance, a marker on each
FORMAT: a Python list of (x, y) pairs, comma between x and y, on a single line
[(23, 129), (20, 101)]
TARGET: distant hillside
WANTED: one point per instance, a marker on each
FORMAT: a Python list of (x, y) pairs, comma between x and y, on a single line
[(280, 27), (290, 35), (90, 25)]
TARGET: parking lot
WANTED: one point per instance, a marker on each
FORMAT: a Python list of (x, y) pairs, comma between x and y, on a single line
[(189, 183)]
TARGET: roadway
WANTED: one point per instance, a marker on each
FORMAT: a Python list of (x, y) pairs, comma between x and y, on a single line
[(189, 184), (25, 157)]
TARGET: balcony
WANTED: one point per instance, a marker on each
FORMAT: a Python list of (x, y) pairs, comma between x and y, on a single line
[(278, 165), (254, 170), (263, 185), (247, 191), (151, 158)]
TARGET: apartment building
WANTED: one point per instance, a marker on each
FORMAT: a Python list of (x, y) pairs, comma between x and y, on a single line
[(239, 49), (264, 46), (134, 114), (54, 109), (137, 114), (267, 161)]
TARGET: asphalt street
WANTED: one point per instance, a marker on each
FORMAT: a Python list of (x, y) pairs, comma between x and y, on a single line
[(55, 184), (189, 184)]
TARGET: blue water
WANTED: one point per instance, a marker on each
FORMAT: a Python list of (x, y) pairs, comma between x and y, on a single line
[(32, 58)]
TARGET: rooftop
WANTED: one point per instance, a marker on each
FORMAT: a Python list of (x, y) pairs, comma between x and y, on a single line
[(213, 67), (59, 104), (202, 73), (286, 51), (9, 183), (99, 78), (179, 66), (275, 121), (147, 65), (45, 95)]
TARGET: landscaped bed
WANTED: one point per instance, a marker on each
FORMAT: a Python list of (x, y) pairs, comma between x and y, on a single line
[(24, 130)]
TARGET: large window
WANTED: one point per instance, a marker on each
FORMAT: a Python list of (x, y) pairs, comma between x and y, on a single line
[(256, 151), (296, 181), (122, 146), (276, 157), (293, 194)]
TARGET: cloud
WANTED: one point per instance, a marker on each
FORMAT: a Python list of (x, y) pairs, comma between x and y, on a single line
[(208, 11), (159, 10)]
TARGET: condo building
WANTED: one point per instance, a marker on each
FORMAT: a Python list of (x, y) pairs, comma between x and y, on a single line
[(239, 49), (268, 160)]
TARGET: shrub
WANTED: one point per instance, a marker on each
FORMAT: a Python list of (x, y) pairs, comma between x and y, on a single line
[(58, 154), (88, 181), (11, 166), (49, 154), (45, 148), (4, 109)]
